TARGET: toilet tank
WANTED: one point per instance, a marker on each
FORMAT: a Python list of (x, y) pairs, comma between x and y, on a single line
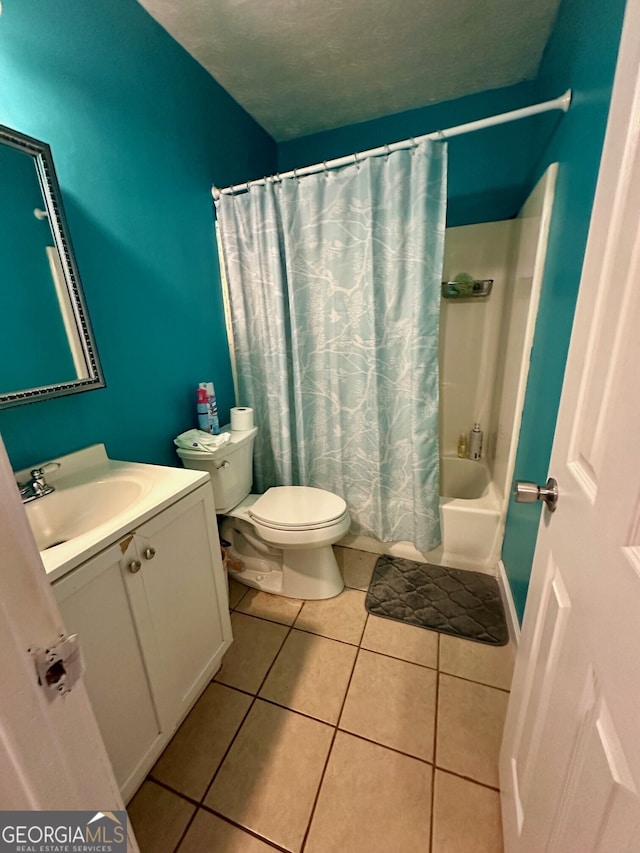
[(231, 467)]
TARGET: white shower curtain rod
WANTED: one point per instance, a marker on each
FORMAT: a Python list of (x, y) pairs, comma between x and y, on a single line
[(561, 103)]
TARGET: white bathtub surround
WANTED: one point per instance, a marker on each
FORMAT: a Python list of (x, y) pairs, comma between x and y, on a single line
[(518, 325), (484, 361), (485, 343), (470, 330)]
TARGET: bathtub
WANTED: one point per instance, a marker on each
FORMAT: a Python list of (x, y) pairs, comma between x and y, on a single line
[(470, 516), (470, 519)]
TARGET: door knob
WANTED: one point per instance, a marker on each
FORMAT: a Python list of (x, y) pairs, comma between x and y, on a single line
[(135, 566), (149, 553), (528, 493)]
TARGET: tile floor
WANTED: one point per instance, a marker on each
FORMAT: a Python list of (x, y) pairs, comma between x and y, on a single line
[(330, 731)]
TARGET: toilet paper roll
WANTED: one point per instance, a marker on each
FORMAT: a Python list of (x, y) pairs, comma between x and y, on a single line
[(241, 418)]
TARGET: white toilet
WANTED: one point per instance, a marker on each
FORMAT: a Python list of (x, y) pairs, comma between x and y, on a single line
[(284, 537)]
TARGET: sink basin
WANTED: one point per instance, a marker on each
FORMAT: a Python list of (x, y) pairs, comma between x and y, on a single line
[(74, 510), (96, 502)]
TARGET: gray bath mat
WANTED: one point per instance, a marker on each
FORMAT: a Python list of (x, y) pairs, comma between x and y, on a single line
[(465, 604)]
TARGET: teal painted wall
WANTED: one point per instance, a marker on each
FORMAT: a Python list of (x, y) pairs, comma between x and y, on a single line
[(581, 55), (489, 171), (139, 132)]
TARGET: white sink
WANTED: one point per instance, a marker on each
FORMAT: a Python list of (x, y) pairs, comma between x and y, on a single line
[(96, 502), (77, 509)]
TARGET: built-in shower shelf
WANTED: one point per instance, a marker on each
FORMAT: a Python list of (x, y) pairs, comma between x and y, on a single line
[(467, 289)]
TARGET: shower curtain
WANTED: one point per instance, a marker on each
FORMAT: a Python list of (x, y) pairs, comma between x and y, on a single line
[(334, 296)]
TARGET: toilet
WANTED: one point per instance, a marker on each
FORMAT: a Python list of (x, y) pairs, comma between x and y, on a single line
[(281, 539)]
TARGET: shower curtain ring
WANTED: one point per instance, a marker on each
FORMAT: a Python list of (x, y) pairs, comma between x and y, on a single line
[(295, 175), (356, 159), (248, 187), (326, 171), (387, 151)]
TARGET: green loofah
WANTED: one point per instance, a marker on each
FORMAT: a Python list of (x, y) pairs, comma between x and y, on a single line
[(464, 284)]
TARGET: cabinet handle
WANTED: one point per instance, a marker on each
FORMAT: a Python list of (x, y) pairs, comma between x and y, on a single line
[(135, 566), (149, 553)]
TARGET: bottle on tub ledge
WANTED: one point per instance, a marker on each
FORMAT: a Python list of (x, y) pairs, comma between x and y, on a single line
[(463, 449), (475, 442)]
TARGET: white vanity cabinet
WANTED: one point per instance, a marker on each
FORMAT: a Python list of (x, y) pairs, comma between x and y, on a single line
[(94, 603), (181, 613), (151, 612)]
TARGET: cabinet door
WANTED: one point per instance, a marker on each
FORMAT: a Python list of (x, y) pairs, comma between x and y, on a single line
[(180, 601), (94, 604)]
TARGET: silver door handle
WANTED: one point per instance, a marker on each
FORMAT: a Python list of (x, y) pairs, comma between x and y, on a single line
[(528, 493)]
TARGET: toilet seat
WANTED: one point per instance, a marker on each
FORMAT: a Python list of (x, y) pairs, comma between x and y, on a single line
[(298, 508)]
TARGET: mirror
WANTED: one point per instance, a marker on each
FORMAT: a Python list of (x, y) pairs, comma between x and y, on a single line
[(47, 348)]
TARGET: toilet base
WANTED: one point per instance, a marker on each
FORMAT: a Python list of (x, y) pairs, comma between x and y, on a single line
[(311, 574)]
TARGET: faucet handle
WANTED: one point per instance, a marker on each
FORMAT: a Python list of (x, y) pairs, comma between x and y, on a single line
[(47, 468)]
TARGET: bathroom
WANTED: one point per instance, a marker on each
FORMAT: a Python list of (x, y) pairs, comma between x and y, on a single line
[(137, 148)]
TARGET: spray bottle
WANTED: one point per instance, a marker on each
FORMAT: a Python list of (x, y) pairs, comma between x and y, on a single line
[(475, 442), (212, 407), (203, 410)]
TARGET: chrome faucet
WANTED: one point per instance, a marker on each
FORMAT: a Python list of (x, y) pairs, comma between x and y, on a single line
[(37, 487)]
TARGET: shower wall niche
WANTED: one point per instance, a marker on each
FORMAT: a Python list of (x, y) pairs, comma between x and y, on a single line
[(485, 342)]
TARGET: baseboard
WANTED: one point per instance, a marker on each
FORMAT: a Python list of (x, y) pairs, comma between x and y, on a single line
[(512, 616)]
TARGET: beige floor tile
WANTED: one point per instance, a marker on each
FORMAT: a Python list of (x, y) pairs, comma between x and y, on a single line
[(211, 834), (356, 567), (269, 779), (492, 665), (466, 817), (267, 606), (399, 640), (237, 591), (255, 645), (393, 703), (196, 750), (158, 818), (470, 722), (372, 800), (339, 618), (311, 675)]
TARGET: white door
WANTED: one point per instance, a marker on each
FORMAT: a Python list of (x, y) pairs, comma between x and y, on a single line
[(570, 760)]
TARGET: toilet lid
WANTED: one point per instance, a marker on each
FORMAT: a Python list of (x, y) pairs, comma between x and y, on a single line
[(294, 507)]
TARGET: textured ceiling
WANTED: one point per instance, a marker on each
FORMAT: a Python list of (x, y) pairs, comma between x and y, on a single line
[(301, 66)]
